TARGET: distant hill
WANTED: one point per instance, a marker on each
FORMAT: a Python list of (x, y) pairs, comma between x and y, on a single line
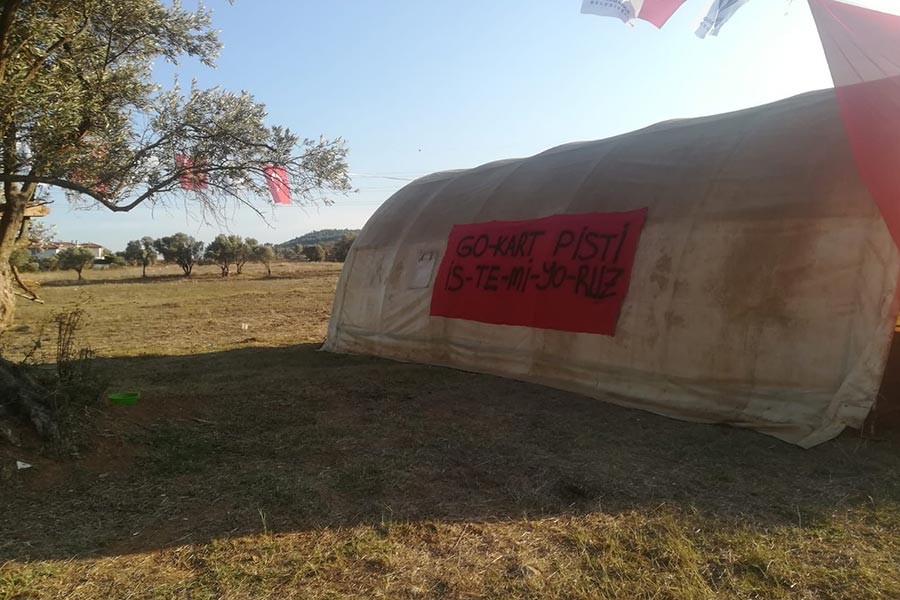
[(320, 236)]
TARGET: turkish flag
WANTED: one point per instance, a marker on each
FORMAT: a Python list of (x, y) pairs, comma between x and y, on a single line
[(658, 12), (863, 51), (277, 180), (190, 178)]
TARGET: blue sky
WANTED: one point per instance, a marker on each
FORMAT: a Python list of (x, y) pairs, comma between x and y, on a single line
[(417, 87)]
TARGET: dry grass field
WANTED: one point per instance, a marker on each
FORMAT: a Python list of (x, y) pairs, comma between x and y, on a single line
[(255, 466)]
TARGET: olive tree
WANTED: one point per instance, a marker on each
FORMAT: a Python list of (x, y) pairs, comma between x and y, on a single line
[(80, 112), (141, 252), (314, 253), (342, 246), (224, 251), (76, 259), (265, 254), (181, 249), (243, 253)]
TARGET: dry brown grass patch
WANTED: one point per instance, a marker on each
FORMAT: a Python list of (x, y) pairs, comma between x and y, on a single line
[(257, 467)]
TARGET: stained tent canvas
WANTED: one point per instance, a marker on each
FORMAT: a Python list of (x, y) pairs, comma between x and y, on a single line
[(761, 285)]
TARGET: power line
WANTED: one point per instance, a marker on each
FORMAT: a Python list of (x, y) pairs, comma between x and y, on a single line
[(379, 176)]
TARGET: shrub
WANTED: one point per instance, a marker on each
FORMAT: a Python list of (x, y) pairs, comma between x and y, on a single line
[(19, 258), (342, 247), (48, 263), (314, 253)]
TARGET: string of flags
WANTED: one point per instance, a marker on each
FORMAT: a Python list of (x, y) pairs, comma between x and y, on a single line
[(658, 12), (862, 47), (193, 177)]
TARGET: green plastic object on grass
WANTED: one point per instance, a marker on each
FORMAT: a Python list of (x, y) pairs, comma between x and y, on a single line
[(125, 398)]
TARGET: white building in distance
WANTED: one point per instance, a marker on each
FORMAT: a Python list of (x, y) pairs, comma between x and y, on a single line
[(47, 250)]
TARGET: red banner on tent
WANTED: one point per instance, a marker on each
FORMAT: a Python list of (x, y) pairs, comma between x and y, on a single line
[(863, 51), (565, 272), (277, 180)]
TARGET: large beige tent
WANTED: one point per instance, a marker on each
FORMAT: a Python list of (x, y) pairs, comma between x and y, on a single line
[(762, 291)]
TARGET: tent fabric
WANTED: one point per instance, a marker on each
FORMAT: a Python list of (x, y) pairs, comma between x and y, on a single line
[(763, 291), (863, 51)]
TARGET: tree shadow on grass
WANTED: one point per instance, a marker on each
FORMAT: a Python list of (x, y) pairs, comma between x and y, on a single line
[(206, 276), (117, 280), (303, 439)]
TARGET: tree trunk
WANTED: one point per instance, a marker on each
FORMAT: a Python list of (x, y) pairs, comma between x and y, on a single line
[(10, 225), (19, 393), (23, 396), (7, 297), (144, 272)]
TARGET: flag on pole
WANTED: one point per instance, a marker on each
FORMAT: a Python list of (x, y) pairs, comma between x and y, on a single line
[(862, 47), (191, 178), (719, 12), (277, 180)]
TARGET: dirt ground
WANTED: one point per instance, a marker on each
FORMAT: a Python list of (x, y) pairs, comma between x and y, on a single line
[(255, 466)]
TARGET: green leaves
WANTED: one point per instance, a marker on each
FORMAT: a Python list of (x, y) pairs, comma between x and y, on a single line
[(181, 249), (140, 251), (75, 258)]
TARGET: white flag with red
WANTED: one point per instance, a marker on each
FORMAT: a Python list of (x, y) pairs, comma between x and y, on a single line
[(624, 10), (717, 15)]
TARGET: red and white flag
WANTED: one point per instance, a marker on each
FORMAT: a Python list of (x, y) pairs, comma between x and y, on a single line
[(277, 180), (719, 12), (863, 51), (191, 178), (656, 12), (98, 156)]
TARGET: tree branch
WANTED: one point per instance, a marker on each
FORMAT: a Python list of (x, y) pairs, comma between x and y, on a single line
[(6, 20), (112, 58), (33, 297), (39, 62), (65, 184), (22, 43), (147, 149), (9, 158)]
